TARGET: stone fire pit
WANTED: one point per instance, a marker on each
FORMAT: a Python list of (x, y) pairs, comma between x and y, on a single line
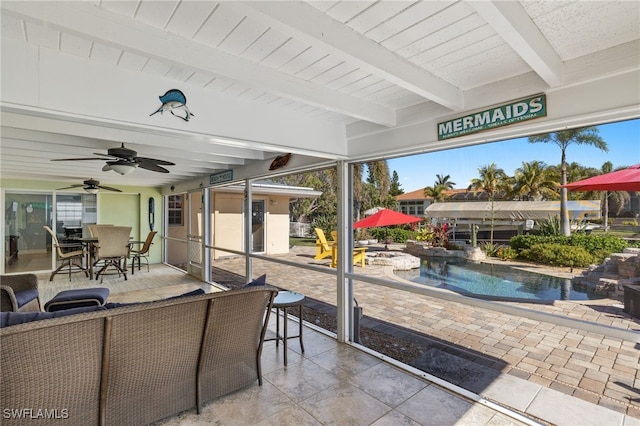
[(399, 261)]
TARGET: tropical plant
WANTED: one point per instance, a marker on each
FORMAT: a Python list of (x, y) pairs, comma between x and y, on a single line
[(492, 181), (434, 234), (534, 182), (550, 226), (563, 139), (491, 249)]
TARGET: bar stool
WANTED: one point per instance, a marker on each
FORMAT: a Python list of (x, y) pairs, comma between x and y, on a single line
[(284, 300)]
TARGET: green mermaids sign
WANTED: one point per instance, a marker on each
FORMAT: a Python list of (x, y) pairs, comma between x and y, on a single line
[(503, 115)]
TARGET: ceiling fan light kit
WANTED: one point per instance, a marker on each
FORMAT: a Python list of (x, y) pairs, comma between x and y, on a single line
[(120, 166), (124, 160)]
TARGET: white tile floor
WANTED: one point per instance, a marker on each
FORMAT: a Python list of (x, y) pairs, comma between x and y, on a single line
[(337, 384)]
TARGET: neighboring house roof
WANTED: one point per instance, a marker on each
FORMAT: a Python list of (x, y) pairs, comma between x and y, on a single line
[(514, 210), (418, 194), (452, 194)]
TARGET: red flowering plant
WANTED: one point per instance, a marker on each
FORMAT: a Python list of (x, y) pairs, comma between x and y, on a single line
[(434, 234)]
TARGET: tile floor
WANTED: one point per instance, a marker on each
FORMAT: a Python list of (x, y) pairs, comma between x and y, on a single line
[(339, 384)]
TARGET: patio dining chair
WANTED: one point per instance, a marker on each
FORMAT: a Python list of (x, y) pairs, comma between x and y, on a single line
[(69, 254), (112, 248), (143, 253)]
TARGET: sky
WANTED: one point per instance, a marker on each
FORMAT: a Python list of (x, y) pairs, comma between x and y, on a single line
[(462, 164)]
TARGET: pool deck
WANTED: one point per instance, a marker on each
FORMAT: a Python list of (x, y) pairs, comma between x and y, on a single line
[(590, 366)]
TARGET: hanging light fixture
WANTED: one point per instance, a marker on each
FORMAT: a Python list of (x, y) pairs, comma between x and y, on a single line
[(91, 190), (121, 166)]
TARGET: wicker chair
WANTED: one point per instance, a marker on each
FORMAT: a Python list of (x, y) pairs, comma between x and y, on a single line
[(19, 293), (143, 253), (69, 254), (112, 248)]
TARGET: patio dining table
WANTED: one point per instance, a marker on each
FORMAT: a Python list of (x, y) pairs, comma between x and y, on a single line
[(89, 244)]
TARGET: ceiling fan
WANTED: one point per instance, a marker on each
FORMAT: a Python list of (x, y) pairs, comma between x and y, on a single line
[(91, 186), (124, 160)]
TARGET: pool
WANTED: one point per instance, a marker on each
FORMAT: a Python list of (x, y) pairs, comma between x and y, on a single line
[(495, 281)]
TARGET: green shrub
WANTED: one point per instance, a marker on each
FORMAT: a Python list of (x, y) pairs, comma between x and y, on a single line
[(523, 242), (630, 222), (506, 253), (397, 235), (558, 255), (598, 246)]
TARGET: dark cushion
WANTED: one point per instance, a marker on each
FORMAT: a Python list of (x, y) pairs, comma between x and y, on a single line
[(190, 293), (112, 305), (78, 298), (8, 319), (25, 296), (261, 280)]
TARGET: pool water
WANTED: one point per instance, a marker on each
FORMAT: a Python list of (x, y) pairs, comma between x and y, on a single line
[(494, 280)]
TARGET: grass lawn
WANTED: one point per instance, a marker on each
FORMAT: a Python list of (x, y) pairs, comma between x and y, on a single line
[(294, 241)]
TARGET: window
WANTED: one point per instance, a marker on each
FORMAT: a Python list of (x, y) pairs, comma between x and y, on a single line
[(174, 210)]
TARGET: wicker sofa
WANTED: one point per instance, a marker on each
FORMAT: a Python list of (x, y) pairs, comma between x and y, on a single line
[(133, 364)]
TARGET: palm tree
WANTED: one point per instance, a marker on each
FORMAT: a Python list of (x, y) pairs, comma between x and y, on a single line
[(564, 138), (533, 182), (437, 191), (492, 180), (444, 181)]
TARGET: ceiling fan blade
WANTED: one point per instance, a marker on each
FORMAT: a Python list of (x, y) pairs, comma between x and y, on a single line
[(141, 160), (105, 156), (70, 187), (108, 188), (153, 167), (75, 159)]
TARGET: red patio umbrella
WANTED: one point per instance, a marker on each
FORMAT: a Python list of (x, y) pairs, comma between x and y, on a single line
[(386, 217), (621, 180)]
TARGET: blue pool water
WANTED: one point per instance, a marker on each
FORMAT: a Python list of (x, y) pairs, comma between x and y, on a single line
[(500, 281)]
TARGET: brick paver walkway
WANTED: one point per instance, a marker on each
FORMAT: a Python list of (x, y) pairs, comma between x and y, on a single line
[(588, 365)]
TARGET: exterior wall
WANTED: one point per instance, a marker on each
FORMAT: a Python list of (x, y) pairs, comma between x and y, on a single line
[(227, 223), (277, 222)]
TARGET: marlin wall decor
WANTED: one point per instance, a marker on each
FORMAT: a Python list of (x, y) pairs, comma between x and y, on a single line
[(174, 99)]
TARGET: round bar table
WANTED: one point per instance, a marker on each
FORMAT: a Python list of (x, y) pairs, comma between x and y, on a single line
[(284, 300)]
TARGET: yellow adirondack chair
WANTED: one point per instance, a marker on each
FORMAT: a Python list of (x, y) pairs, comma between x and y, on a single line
[(359, 255), (323, 247)]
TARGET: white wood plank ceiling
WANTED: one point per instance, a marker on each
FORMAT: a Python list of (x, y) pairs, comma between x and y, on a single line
[(334, 63)]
